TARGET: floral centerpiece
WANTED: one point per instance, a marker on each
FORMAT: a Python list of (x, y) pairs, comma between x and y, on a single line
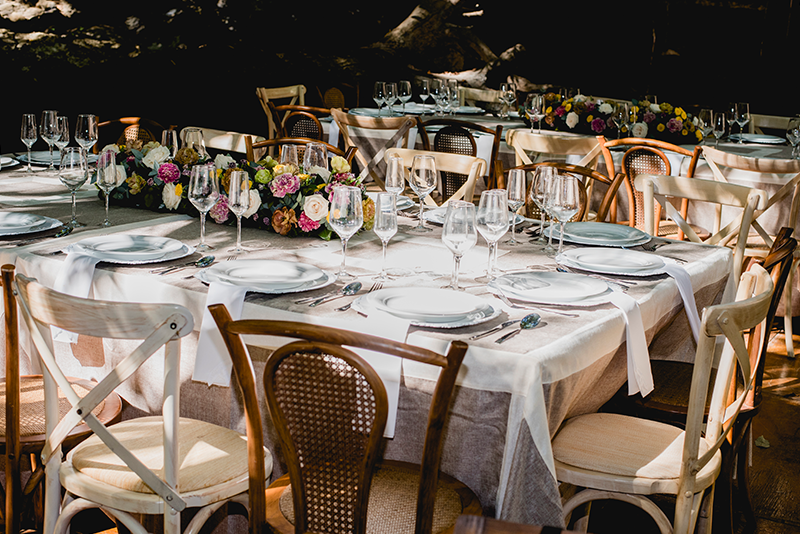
[(585, 115), (285, 199)]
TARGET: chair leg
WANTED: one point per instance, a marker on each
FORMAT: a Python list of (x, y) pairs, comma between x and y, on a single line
[(588, 495), (743, 480), (787, 311)]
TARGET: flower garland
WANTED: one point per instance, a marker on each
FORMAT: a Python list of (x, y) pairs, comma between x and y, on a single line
[(285, 199)]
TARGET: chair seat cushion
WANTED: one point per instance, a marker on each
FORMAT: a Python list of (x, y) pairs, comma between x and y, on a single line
[(209, 454), (393, 503), (621, 445)]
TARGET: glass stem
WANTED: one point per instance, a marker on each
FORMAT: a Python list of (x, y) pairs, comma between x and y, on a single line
[(550, 241), (51, 156), (560, 237), (106, 222), (513, 226), (421, 210), (490, 268), (342, 270), (29, 160), (456, 266), (383, 260), (238, 232), (202, 228), (74, 208)]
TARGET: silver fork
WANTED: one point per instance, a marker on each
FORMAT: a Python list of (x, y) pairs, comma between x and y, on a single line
[(376, 286), (534, 308), (232, 257)]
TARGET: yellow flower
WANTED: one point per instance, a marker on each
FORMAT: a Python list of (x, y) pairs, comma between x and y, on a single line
[(660, 128), (549, 110), (568, 107), (699, 135), (684, 131), (679, 112), (589, 118), (178, 190)]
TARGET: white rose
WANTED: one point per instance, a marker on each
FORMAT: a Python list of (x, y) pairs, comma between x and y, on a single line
[(579, 98), (315, 207), (150, 146), (223, 162), (156, 157), (121, 175), (255, 203), (639, 129), (605, 108), (655, 108), (339, 165), (113, 148), (323, 173), (171, 200), (572, 119)]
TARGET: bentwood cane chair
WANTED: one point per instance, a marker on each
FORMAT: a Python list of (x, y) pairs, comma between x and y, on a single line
[(23, 431), (157, 465), (329, 409), (298, 121)]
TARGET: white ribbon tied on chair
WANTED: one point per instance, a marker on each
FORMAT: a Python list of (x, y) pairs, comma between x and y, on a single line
[(74, 278), (640, 374)]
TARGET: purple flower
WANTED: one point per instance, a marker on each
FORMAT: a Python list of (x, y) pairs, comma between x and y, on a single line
[(267, 221), (307, 224), (598, 125), (220, 212), (674, 125), (285, 184), (590, 106), (560, 111), (649, 117), (151, 182), (169, 172)]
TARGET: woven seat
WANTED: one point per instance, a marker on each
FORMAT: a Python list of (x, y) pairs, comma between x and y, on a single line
[(291, 95), (298, 121)]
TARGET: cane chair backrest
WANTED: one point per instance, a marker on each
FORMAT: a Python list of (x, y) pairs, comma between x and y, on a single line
[(294, 93), (333, 98), (298, 121), (322, 346), (553, 143), (300, 142), (126, 129)]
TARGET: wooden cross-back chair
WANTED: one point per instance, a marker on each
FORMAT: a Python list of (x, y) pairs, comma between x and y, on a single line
[(456, 138), (126, 129), (470, 166), (329, 409), (400, 125), (472, 95), (149, 465), (295, 94), (649, 156), (223, 140), (627, 458), (298, 121), (666, 188), (588, 175), (770, 122), (298, 141), (24, 433)]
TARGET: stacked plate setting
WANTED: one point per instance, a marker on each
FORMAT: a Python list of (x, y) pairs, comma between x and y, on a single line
[(615, 262), (554, 288), (130, 249), (13, 223), (268, 276), (600, 234), (42, 157), (436, 216)]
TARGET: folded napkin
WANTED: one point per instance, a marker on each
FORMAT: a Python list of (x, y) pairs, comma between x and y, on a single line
[(213, 364), (640, 375), (74, 278), (681, 277)]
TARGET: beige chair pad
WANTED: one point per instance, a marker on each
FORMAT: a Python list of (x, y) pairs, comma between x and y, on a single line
[(621, 445), (209, 455), (393, 503), (31, 395)]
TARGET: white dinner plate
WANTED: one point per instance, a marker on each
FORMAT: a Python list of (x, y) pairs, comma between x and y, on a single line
[(13, 223), (8, 162), (759, 139), (42, 157), (272, 277), (603, 234), (545, 287), (131, 249), (429, 307), (603, 260), (436, 216), (470, 110), (403, 202)]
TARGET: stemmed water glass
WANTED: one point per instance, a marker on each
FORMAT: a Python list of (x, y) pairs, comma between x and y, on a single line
[(719, 126), (391, 96), (535, 108), (742, 118), (203, 194), (793, 134), (395, 176), (238, 203), (459, 234), (517, 188), (508, 95), (379, 95), (86, 131), (346, 217), (424, 90), (439, 94), (288, 155), (193, 138), (29, 134), (404, 92), (704, 122), (539, 190), (385, 224), (454, 97), (315, 156), (620, 117), (73, 174), (492, 222), (169, 139), (423, 181), (63, 134), (107, 176), (49, 132), (730, 118), (565, 203)]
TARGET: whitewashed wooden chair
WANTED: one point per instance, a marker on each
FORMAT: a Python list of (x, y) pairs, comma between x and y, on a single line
[(295, 94), (665, 188), (222, 140), (770, 122), (455, 163), (626, 458), (524, 141), (401, 125), (149, 465), (469, 96)]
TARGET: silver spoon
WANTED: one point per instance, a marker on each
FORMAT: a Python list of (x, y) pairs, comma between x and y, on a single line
[(528, 322), (205, 261), (350, 289)]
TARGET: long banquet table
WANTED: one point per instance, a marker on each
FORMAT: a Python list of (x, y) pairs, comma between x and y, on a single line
[(510, 398)]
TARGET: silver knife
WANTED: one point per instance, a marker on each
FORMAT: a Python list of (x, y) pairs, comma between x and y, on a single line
[(493, 330)]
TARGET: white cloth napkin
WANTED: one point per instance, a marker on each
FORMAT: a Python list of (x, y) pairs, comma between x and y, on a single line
[(74, 278), (684, 281), (213, 364), (640, 375)]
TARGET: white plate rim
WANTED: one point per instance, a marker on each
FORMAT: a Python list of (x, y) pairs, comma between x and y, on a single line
[(359, 306), (48, 223), (182, 252), (593, 242), (45, 159), (83, 247), (570, 257), (585, 303), (582, 278), (327, 279), (761, 139), (216, 271), (373, 299)]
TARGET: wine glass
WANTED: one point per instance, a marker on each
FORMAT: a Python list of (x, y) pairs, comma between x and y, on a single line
[(730, 118), (508, 95), (620, 116), (316, 155), (379, 95), (62, 124), (391, 96), (48, 130), (422, 181), (86, 131), (424, 90), (491, 220), (453, 96), (395, 175), (793, 134), (203, 194), (719, 126), (73, 174), (535, 107), (742, 118), (169, 139), (459, 234), (566, 202), (404, 93), (704, 122), (29, 134), (193, 138), (107, 176), (288, 155), (539, 189), (517, 188), (385, 224), (238, 203), (438, 92), (346, 217)]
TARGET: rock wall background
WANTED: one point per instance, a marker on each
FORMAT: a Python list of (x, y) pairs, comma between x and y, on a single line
[(197, 62)]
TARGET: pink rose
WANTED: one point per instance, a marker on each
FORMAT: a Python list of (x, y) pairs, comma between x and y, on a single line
[(598, 125)]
